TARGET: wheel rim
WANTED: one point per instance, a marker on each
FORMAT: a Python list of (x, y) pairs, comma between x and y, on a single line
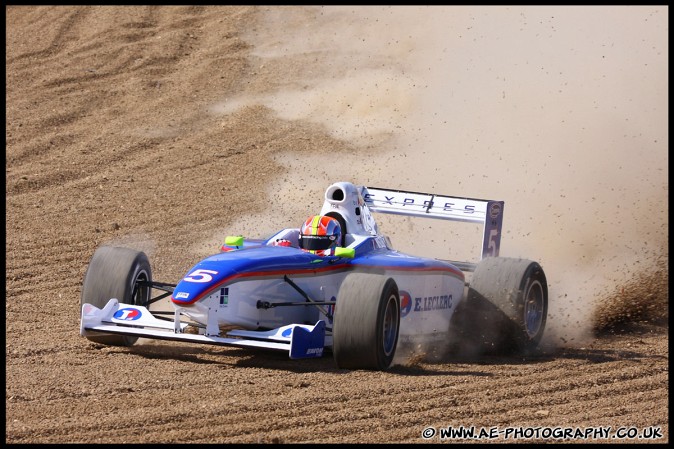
[(534, 308), (390, 328), (141, 293)]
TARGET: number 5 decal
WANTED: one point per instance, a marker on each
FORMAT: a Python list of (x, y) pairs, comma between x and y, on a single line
[(492, 242), (200, 276)]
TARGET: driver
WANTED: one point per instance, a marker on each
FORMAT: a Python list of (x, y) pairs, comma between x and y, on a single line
[(320, 235)]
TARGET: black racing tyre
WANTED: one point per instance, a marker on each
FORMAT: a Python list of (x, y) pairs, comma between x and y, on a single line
[(508, 304), (366, 322), (115, 273)]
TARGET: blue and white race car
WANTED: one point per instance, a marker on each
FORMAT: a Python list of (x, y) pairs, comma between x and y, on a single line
[(360, 302)]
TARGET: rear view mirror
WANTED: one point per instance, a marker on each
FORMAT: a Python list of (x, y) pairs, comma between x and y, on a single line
[(348, 253), (234, 240)]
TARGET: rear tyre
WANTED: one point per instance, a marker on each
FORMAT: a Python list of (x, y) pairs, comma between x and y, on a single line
[(116, 273), (366, 322), (508, 304)]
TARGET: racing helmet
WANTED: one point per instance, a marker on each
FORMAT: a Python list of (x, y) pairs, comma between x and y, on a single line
[(320, 234)]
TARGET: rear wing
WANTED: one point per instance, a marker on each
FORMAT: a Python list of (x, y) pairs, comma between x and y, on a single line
[(489, 213)]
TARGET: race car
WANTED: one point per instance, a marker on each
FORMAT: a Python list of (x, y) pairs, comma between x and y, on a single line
[(360, 303)]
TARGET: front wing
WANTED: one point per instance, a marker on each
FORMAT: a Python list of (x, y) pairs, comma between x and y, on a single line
[(299, 340)]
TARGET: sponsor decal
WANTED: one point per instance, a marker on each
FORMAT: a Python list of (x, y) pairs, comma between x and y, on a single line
[(495, 210), (315, 351), (427, 303), (467, 209), (405, 303), (424, 201), (127, 314), (182, 295), (224, 296)]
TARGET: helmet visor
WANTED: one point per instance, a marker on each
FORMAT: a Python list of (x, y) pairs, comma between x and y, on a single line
[(317, 242)]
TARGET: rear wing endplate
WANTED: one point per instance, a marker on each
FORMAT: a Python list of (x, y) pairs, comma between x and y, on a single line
[(489, 213)]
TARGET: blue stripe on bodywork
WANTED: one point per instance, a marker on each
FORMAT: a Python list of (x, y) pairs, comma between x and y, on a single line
[(266, 261)]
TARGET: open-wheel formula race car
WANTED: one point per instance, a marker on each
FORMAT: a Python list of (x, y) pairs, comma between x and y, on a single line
[(358, 303)]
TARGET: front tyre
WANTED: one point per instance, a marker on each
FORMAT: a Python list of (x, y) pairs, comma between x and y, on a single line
[(366, 322), (120, 273)]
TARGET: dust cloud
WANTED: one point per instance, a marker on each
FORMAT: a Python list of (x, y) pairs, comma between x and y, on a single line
[(560, 111)]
